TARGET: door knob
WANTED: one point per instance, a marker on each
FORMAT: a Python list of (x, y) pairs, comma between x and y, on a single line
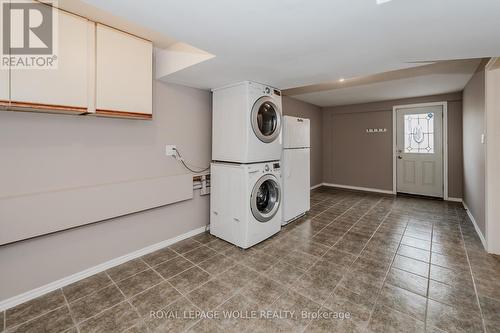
[(399, 157)]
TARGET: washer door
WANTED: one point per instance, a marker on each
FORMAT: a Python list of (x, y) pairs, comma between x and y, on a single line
[(266, 119), (265, 199)]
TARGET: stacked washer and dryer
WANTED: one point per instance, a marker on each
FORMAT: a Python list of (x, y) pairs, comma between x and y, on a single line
[(245, 205)]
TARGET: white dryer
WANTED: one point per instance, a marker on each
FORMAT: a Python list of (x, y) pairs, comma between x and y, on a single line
[(246, 123), (245, 202)]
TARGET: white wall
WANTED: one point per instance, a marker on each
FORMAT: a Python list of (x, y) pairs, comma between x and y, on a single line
[(41, 152), (473, 149), (493, 158)]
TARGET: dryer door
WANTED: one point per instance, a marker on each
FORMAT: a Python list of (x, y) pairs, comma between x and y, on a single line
[(266, 198), (266, 119)]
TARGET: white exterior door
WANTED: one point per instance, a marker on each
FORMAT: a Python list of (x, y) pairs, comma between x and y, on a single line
[(419, 150)]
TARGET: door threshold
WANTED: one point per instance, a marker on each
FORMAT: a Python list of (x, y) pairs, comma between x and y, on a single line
[(419, 196)]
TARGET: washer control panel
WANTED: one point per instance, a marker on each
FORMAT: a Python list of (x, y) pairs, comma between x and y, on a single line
[(271, 167)]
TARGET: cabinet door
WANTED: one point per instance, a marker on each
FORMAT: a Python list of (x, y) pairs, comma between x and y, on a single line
[(124, 74), (64, 89), (4, 86)]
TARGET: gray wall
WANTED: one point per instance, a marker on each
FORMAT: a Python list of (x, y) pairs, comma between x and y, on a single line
[(296, 108), (474, 163), (353, 157), (40, 152)]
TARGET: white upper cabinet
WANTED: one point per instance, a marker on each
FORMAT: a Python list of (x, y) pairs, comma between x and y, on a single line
[(65, 89), (4, 86), (124, 74)]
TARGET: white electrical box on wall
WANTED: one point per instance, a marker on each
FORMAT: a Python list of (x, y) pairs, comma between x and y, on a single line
[(170, 150)]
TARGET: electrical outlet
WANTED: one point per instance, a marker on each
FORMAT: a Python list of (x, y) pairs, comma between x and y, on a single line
[(205, 190), (170, 150)]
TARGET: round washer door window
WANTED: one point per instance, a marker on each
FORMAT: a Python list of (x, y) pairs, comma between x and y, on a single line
[(265, 199), (266, 119)]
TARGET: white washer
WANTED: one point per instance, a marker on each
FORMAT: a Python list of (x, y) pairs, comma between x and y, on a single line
[(246, 123), (245, 202)]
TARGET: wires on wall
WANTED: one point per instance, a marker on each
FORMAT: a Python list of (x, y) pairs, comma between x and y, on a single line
[(189, 166)]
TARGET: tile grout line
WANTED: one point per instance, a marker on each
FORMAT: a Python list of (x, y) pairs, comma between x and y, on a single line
[(359, 219), (212, 276), (107, 285), (258, 272), (382, 221), (333, 205), (428, 280), (128, 301), (428, 283), (473, 279), (332, 221), (95, 291), (102, 311), (70, 312), (31, 319), (290, 287), (192, 262), (125, 298), (182, 294), (114, 283), (385, 278)]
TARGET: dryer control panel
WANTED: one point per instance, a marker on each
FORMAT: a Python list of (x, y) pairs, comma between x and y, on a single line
[(271, 91)]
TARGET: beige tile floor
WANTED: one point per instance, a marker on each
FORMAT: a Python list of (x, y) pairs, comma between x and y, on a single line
[(356, 263)]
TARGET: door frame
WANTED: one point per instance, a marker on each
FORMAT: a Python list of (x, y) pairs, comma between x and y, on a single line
[(444, 104)]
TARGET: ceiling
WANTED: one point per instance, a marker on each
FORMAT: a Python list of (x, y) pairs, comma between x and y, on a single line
[(294, 43), (96, 14), (432, 79)]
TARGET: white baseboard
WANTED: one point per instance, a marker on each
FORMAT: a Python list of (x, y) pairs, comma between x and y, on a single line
[(29, 295), (365, 189), (455, 199), (316, 186), (478, 231)]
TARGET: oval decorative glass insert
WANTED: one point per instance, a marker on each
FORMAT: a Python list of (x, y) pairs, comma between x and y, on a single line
[(418, 134)]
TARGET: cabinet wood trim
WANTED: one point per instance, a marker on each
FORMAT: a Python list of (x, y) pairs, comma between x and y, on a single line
[(46, 107), (122, 114)]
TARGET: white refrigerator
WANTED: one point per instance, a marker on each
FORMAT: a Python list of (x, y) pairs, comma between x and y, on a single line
[(295, 161)]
